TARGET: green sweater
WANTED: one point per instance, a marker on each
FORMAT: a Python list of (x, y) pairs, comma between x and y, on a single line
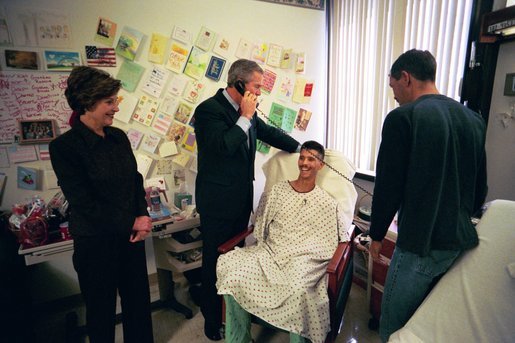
[(431, 168)]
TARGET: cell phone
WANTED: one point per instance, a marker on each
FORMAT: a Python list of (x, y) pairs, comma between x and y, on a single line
[(240, 87)]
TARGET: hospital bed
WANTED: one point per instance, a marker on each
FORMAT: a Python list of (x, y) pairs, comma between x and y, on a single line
[(475, 300)]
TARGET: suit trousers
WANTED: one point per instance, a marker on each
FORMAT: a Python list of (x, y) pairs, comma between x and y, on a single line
[(215, 232), (107, 264)]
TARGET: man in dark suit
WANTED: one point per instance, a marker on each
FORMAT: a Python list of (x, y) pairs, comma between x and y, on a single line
[(226, 128)]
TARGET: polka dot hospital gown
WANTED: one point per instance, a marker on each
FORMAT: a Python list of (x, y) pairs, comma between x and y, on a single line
[(282, 278)]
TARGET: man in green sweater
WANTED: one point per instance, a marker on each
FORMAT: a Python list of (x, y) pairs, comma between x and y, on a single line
[(431, 169)]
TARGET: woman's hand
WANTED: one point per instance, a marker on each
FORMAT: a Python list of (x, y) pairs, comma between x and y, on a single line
[(141, 228)]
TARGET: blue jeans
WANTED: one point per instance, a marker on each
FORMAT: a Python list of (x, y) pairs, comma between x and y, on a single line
[(410, 278)]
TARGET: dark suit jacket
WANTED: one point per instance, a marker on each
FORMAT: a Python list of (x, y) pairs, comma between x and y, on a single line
[(224, 185)]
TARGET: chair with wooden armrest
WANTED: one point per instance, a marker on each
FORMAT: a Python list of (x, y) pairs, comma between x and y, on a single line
[(339, 272)]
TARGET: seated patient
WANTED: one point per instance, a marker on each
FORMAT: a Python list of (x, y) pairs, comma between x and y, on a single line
[(282, 279)]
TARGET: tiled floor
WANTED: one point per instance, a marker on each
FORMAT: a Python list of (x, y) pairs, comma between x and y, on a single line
[(170, 326)]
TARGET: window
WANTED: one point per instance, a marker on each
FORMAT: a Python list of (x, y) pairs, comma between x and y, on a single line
[(366, 36)]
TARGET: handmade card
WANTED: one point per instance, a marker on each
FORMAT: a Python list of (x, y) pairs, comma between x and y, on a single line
[(286, 58), (302, 119), (222, 46), (100, 57), (156, 51), (205, 39), (181, 159), (130, 73), (300, 63), (269, 78), (181, 34), (197, 63), (135, 137), (144, 163), (274, 55), (302, 91), (176, 132), (177, 84), (150, 143), (259, 53), (190, 141), (162, 123), (126, 104), (164, 166), (285, 89), (282, 117), (61, 60), (129, 42), (169, 105), (177, 58), (183, 112), (155, 81), (145, 110), (168, 149), (106, 30), (244, 48), (28, 178), (215, 68), (194, 90)]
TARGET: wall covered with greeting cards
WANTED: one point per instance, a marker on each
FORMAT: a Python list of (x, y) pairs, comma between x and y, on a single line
[(170, 56)]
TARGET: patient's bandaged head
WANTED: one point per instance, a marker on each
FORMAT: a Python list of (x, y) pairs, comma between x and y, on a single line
[(283, 166)]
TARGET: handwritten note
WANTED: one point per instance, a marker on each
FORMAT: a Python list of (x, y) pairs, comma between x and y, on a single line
[(27, 95)]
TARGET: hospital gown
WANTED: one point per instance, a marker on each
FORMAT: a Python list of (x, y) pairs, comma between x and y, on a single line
[(282, 278)]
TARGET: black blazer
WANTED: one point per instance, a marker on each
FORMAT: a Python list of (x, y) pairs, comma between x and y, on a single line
[(224, 184)]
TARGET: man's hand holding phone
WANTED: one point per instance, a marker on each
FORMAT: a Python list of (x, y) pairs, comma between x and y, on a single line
[(248, 105)]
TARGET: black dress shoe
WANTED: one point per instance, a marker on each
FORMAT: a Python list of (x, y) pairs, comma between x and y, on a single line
[(212, 333)]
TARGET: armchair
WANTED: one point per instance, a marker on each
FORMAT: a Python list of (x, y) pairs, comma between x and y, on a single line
[(339, 272)]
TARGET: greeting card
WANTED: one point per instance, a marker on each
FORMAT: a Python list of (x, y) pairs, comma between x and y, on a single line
[(156, 51), (285, 89), (300, 63), (215, 68), (222, 46), (168, 149), (177, 58), (302, 91), (181, 159), (282, 117), (129, 42), (302, 119), (177, 84), (262, 147), (155, 81), (183, 112), (244, 48), (269, 78), (135, 137), (164, 166), (150, 143), (162, 123), (190, 141), (286, 58), (197, 63), (106, 31), (176, 132), (145, 110), (100, 57), (259, 53), (274, 55), (28, 178), (181, 34), (126, 103), (194, 90), (144, 163), (205, 39), (130, 73), (44, 152)]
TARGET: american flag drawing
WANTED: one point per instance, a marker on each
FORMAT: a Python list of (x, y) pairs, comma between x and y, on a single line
[(100, 57)]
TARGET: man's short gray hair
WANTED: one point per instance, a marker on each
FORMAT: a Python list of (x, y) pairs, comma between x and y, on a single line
[(242, 69)]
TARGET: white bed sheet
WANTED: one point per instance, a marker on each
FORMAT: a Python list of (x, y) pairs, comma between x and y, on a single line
[(475, 300)]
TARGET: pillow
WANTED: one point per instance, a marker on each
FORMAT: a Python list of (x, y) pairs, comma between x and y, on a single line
[(283, 166)]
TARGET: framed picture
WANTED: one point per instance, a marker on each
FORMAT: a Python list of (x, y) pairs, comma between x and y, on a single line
[(37, 131), (215, 68), (313, 4), (509, 85)]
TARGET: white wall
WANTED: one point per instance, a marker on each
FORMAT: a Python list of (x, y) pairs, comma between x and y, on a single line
[(500, 140), (292, 27)]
